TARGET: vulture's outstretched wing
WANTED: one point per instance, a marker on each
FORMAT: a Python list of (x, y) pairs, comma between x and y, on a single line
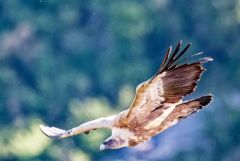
[(57, 133), (157, 97)]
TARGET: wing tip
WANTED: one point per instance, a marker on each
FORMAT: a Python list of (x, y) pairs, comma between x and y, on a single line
[(51, 132), (169, 61), (44, 130), (205, 100), (180, 42), (189, 44), (205, 60), (42, 127)]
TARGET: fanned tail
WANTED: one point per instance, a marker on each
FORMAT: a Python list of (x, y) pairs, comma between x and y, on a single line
[(187, 108), (184, 110)]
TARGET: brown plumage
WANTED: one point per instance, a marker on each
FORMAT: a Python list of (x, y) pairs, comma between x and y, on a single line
[(157, 104)]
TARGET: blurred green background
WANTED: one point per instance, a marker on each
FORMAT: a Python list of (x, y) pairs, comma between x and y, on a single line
[(64, 62)]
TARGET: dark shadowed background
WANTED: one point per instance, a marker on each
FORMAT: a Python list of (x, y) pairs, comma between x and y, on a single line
[(64, 62)]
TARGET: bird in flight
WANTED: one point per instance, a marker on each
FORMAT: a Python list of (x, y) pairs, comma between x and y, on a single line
[(158, 104)]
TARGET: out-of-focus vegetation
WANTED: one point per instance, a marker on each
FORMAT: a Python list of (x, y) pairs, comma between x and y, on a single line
[(66, 62)]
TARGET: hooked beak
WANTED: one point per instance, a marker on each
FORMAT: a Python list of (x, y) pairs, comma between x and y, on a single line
[(102, 147)]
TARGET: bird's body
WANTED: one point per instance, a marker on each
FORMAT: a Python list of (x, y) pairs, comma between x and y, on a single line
[(157, 105)]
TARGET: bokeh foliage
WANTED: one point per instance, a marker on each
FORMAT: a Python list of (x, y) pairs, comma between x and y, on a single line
[(66, 62)]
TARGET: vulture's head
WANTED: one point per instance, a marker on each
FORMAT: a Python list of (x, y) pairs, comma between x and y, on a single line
[(113, 143)]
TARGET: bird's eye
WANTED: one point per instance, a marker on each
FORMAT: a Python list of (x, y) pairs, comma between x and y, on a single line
[(110, 141)]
